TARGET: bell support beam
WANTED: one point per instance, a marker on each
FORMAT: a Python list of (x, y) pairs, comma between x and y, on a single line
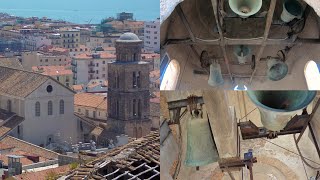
[(265, 35), (222, 42), (185, 22), (255, 41), (250, 131), (309, 119), (183, 103)]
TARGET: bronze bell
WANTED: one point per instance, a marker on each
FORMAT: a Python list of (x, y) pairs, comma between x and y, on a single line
[(215, 76), (277, 107), (277, 69), (201, 149)]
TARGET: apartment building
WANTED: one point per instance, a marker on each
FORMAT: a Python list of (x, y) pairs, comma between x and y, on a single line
[(152, 36), (86, 67), (40, 58)]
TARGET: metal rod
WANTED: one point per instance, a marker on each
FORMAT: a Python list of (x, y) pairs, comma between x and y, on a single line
[(185, 22), (310, 118), (314, 139), (265, 35), (222, 43)]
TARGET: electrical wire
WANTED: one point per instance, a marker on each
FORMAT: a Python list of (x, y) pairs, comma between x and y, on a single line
[(248, 114), (303, 158), (289, 150)]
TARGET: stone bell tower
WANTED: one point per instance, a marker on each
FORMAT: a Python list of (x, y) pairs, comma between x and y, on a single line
[(129, 94)]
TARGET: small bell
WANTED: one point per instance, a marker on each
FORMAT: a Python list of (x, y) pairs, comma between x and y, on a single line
[(242, 53), (291, 9), (215, 76), (245, 8), (201, 149), (277, 69)]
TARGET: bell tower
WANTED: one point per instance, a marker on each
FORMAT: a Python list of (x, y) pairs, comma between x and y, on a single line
[(129, 94)]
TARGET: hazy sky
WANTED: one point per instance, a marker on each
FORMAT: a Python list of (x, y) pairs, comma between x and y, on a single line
[(80, 9)]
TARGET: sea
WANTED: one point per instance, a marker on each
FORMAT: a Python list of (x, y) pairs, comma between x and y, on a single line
[(81, 11)]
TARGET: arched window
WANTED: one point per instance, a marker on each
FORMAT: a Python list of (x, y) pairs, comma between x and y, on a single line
[(170, 71), (312, 75), (117, 108), (139, 108), (37, 109), (50, 108), (134, 107), (9, 105), (61, 106), (140, 132)]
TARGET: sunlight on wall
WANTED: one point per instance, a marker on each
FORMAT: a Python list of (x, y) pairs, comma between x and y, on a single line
[(312, 75), (171, 75)]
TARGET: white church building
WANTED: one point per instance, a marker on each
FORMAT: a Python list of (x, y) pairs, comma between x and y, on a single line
[(45, 104)]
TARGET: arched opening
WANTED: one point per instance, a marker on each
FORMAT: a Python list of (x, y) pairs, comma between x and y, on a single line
[(37, 109), (140, 132), (61, 106), (170, 75), (312, 75), (50, 108)]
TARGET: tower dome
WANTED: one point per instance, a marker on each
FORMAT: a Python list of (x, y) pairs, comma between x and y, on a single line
[(128, 37)]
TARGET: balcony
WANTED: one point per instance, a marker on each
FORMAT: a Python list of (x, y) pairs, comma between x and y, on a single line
[(73, 63), (91, 65), (91, 71), (74, 69)]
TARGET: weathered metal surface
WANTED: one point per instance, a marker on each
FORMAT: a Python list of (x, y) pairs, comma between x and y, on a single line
[(276, 107)]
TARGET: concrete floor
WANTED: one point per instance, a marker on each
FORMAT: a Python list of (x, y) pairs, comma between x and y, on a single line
[(200, 17), (278, 158)]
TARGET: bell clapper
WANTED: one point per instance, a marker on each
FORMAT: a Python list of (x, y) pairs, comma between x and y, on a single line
[(272, 135)]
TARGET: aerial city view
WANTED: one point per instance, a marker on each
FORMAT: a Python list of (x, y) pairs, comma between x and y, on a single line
[(79, 90)]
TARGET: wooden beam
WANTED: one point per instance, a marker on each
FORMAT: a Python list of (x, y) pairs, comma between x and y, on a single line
[(265, 35), (222, 42)]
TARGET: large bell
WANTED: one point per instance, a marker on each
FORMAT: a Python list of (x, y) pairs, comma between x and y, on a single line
[(291, 9), (277, 107), (277, 69), (215, 76), (245, 8), (201, 149), (242, 53)]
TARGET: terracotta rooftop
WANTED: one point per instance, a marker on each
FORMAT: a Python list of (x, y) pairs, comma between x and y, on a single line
[(109, 48), (10, 122), (21, 83), (77, 87), (150, 56), (139, 159), (155, 74), (22, 148), (40, 175), (90, 100), (52, 70), (96, 82), (103, 55)]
